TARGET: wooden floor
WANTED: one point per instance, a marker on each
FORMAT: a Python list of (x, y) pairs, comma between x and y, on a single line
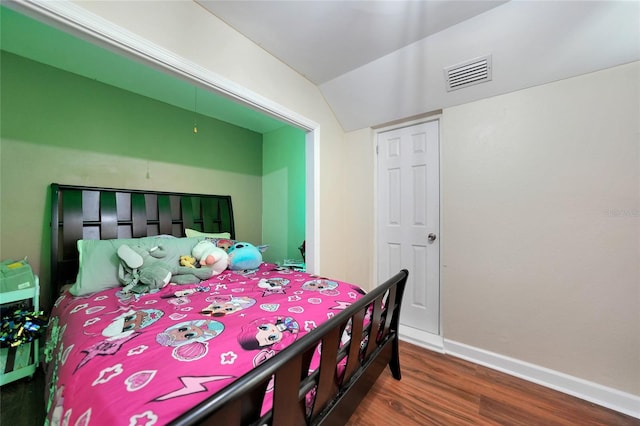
[(438, 389), (22, 402), (435, 390)]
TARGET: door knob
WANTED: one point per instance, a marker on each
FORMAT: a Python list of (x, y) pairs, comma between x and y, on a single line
[(432, 237)]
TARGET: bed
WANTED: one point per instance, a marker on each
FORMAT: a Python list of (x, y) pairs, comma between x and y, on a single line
[(270, 346)]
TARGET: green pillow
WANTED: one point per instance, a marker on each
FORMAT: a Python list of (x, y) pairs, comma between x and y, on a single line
[(99, 260)]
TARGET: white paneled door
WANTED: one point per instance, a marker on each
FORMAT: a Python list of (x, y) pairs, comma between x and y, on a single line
[(409, 220)]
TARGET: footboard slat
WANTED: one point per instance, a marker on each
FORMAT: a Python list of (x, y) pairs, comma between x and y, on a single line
[(390, 305), (375, 326), (327, 383), (353, 358), (251, 403), (287, 409), (229, 414)]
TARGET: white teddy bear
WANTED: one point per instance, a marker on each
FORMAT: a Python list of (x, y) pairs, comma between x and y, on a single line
[(208, 254)]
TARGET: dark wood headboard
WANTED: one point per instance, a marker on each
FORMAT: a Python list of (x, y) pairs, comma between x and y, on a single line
[(79, 212)]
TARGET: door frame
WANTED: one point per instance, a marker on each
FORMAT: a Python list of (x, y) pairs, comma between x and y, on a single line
[(423, 339)]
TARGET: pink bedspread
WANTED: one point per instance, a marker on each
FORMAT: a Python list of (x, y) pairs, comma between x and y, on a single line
[(144, 360)]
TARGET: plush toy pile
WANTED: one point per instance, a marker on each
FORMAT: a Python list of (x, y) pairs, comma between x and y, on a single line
[(142, 270), (240, 255)]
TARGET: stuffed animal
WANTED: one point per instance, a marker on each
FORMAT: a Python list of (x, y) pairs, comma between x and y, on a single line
[(225, 244), (243, 256), (209, 255), (142, 270), (188, 261)]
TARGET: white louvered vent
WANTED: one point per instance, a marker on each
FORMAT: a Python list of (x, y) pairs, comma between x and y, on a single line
[(468, 73)]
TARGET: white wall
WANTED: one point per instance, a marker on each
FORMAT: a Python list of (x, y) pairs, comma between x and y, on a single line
[(358, 204), (541, 237)]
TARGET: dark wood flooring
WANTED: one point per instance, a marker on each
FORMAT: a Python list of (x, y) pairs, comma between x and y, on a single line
[(435, 389), (22, 401), (438, 389)]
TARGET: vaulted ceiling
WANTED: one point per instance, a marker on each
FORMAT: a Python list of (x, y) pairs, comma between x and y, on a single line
[(323, 40), (377, 61), (380, 61)]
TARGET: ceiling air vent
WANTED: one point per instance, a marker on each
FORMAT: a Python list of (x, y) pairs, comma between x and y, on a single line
[(468, 73)]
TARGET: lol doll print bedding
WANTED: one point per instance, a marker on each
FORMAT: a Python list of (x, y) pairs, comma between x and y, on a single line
[(145, 359)]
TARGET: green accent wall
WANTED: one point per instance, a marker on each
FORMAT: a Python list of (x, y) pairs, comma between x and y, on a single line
[(48, 111), (32, 39), (57, 126), (118, 123), (44, 105), (283, 192)]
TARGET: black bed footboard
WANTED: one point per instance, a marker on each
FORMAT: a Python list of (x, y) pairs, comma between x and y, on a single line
[(330, 393)]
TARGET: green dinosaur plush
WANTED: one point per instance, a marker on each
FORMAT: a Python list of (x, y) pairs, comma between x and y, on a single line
[(143, 270)]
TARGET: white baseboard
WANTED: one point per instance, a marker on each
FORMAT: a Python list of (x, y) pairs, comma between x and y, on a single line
[(614, 399), (421, 338)]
